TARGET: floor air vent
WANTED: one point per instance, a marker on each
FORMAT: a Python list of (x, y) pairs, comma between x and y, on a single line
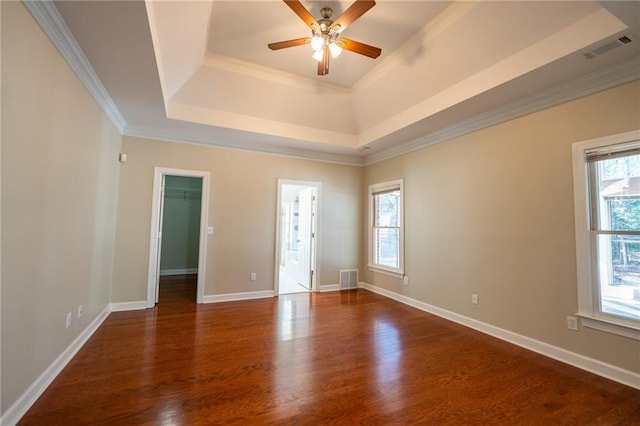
[(348, 279)]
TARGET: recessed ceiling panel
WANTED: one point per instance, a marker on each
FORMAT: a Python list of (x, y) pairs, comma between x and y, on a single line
[(241, 30)]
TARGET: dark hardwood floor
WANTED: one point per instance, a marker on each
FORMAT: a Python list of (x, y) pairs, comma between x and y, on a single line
[(342, 358)]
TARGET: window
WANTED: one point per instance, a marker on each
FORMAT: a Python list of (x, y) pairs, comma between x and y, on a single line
[(607, 202), (386, 228)]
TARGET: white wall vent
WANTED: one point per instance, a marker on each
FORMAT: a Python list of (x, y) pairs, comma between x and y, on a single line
[(607, 47), (348, 279)]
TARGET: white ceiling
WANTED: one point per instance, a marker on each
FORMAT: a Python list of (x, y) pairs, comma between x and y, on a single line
[(201, 71), (242, 32)]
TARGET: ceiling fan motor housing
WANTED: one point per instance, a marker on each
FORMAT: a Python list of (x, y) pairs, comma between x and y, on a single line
[(325, 22)]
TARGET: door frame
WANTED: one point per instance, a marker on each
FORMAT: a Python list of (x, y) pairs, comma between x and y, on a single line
[(157, 199), (315, 278)]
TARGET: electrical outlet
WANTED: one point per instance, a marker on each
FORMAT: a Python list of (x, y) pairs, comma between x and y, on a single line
[(253, 276), (572, 323), (79, 311), (474, 299), (68, 320), (405, 280)]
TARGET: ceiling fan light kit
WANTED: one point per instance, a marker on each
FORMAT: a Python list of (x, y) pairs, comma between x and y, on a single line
[(326, 39), (335, 50)]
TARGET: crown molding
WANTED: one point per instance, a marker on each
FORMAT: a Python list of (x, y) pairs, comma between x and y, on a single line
[(273, 75), (190, 113), (49, 19), (181, 137), (582, 86)]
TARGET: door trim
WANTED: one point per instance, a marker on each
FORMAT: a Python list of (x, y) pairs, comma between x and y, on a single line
[(315, 278), (158, 173)]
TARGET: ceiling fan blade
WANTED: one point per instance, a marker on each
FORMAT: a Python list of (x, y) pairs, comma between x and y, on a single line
[(302, 12), (356, 10), (357, 47), (289, 43), (323, 66)]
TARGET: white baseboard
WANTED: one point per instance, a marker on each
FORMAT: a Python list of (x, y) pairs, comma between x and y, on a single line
[(591, 365), (329, 287), (128, 306), (216, 298), (166, 272), (33, 392)]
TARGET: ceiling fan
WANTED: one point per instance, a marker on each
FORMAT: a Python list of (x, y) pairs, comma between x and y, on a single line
[(325, 39)]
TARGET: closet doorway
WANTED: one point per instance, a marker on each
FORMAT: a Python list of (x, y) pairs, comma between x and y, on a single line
[(297, 247), (178, 235)]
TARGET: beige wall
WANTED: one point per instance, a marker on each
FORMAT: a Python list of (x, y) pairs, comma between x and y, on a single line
[(242, 211), (492, 213), (59, 190)]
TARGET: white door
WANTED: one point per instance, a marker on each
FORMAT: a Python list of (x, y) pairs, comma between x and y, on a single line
[(305, 233), (159, 251)]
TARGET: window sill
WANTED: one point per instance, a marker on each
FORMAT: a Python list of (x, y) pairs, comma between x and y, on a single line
[(386, 271), (610, 326)]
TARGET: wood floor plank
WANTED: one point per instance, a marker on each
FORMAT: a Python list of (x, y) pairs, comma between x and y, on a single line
[(342, 357)]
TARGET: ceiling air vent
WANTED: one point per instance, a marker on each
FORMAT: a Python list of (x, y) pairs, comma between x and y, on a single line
[(607, 47), (624, 40)]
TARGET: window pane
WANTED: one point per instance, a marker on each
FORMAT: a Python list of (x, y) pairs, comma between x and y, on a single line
[(615, 203), (386, 247), (625, 214), (387, 209), (619, 168), (619, 273)]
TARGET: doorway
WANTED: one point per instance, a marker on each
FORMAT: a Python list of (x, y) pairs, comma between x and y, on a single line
[(297, 248), (179, 241), (177, 249)]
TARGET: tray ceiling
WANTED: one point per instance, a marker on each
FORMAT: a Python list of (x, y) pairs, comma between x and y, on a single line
[(201, 71)]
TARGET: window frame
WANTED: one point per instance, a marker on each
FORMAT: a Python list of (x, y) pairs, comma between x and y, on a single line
[(378, 188), (586, 262)]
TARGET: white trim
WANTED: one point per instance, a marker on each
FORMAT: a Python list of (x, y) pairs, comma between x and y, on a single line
[(591, 365), (609, 327), (152, 266), (49, 19), (158, 173), (615, 75), (166, 272), (18, 409), (586, 275), (316, 240), (383, 271), (128, 306), (260, 127), (329, 287), (261, 72), (230, 297), (243, 145)]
